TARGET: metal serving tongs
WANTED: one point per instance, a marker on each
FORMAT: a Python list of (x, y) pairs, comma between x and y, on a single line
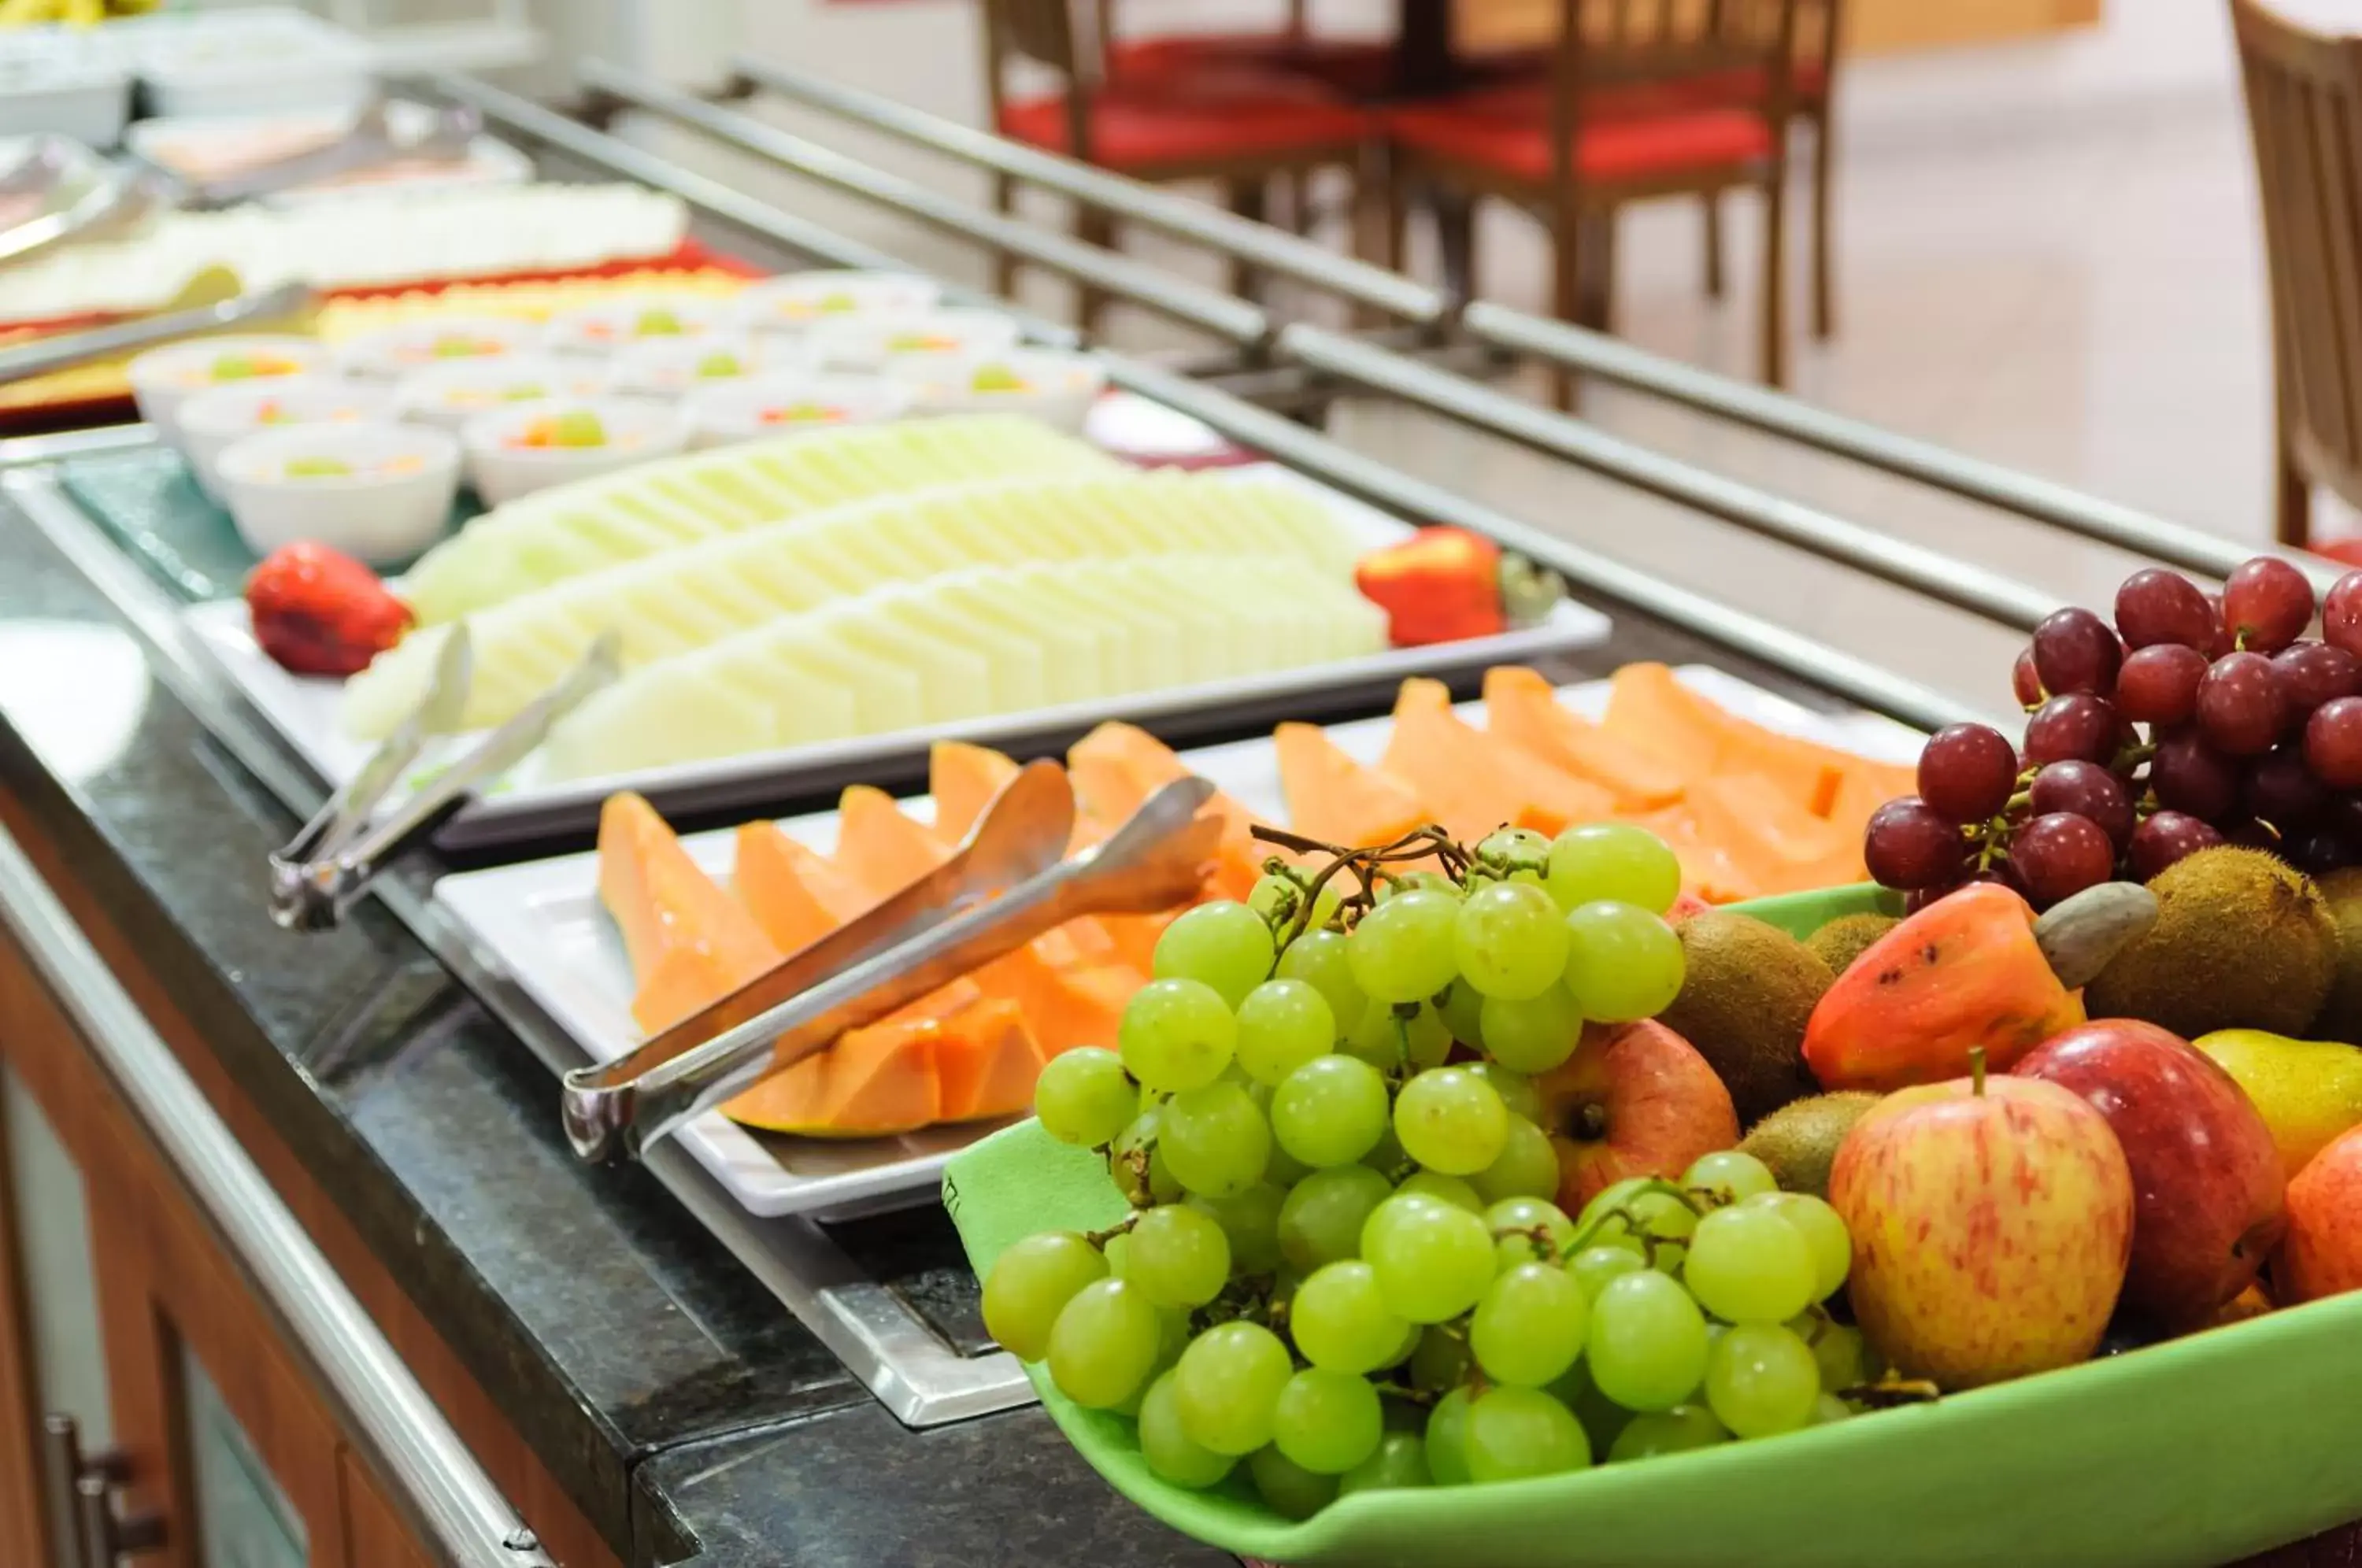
[(120, 201), (1004, 885), (42, 356), (329, 861), (368, 141)]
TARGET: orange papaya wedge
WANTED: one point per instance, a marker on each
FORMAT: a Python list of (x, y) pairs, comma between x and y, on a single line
[(964, 778), (1118, 765), (1336, 799), (986, 1060), (790, 887), (871, 1083), (689, 944), (1521, 708), (1649, 707), (1471, 782)]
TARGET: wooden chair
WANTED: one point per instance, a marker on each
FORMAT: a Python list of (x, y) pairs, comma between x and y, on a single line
[(1618, 121), (1358, 69), (1236, 125), (2305, 110)]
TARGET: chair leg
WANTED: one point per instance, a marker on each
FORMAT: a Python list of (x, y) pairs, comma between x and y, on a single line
[(1595, 305), (1712, 200), (1566, 297), (1247, 200), (1775, 278), (1394, 254), (1825, 308), (1455, 233), (1093, 225), (2292, 505), (1004, 266)]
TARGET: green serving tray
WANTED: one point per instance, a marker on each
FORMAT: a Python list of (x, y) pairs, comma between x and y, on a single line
[(2200, 1450)]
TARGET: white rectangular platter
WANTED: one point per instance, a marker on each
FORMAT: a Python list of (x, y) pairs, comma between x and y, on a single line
[(304, 710), (541, 923)]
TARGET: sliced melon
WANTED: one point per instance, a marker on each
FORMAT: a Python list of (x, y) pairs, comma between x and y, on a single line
[(964, 779), (690, 943)]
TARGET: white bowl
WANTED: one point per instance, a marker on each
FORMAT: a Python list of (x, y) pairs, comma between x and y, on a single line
[(393, 352), (212, 420), (615, 324), (800, 300), (164, 379), (676, 366), (868, 342), (637, 430), (395, 502), (1055, 388), (448, 395), (787, 404)]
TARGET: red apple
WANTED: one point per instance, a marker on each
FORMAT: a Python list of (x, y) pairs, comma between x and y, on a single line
[(1635, 1099), (2323, 1254), (1992, 1219), (2206, 1179)]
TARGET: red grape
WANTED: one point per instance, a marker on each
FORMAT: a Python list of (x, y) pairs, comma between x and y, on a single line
[(2240, 706), (2218, 640), (2075, 651), (1909, 845), (2076, 725), (2255, 835), (2060, 855), (2321, 851), (2267, 602), (2340, 613), (2160, 606), (2313, 673), (1968, 771), (2158, 684), (2191, 777), (2333, 743), (2282, 791), (2084, 789), (2165, 838), (2026, 682)]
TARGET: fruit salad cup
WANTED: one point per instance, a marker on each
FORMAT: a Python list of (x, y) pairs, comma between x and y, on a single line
[(869, 343), (377, 490), (1057, 388), (164, 379), (211, 421), (787, 404), (615, 325), (448, 395), (531, 445), (793, 304), (676, 366), (398, 351)]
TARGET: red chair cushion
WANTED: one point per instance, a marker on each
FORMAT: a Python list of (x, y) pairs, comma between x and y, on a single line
[(1357, 69), (1630, 139), (1217, 119)]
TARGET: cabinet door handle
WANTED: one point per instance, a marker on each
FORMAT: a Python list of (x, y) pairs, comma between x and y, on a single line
[(78, 1492), (105, 1539)]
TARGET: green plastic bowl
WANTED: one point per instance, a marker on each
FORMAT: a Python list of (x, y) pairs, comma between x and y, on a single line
[(2200, 1450)]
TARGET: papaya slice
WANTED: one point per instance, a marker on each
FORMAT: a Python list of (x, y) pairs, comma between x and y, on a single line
[(986, 1061), (879, 849), (964, 778), (790, 887), (1709, 873), (1521, 708), (1473, 782), (872, 1082), (689, 944), (1333, 798), (1118, 765), (1649, 707), (1787, 847)]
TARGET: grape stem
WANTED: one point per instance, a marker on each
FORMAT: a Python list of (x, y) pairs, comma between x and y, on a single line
[(1888, 1393), (1977, 1071), (1581, 1237), (1367, 865), (1100, 1238)]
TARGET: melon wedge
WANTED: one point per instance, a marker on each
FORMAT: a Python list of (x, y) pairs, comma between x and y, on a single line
[(1116, 767), (986, 1061), (1473, 782), (873, 1082), (1649, 707), (790, 887), (878, 849), (1782, 847), (964, 779), (690, 943), (1333, 798), (1521, 709)]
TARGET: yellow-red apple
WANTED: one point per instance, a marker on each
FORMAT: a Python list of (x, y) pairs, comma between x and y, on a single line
[(1635, 1099)]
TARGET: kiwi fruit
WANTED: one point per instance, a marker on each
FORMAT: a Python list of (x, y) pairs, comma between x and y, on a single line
[(1749, 990), (2341, 1017), (1843, 940), (1799, 1141), (2241, 941)]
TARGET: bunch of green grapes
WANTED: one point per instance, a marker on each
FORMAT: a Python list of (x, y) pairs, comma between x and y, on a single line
[(1346, 1265)]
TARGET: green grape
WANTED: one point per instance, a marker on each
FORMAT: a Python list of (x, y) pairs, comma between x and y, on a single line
[(1533, 1034), (1622, 962), (1215, 1139), (1432, 1260), (1447, 1439), (1529, 1326), (1180, 1256), (1223, 944), (1677, 1431), (1330, 1112), (1167, 1448), (1838, 1349), (1228, 1384), (1172, 1339), (1512, 850), (1602, 1419), (1117, 1250), (1292, 1491), (1511, 940), (1646, 1345), (1176, 1035), (1285, 1169), (1104, 1344), (1327, 1421), (1526, 1167), (1031, 1283), (1387, 1158), (1250, 1222), (1443, 1188), (1615, 862), (1320, 960), (1517, 1093), (1824, 1232), (1322, 1220), (1402, 949), (1762, 1380), (1593, 1267), (1441, 1361), (1462, 1012), (1085, 1097), (1419, 882), (1387, 1038), (1282, 1025), (1828, 1408), (1527, 1229), (1279, 898), (1450, 1121), (1513, 1433), (1400, 1462), (1748, 1265), (1340, 1320), (1728, 1177), (1649, 1215), (1124, 1157)]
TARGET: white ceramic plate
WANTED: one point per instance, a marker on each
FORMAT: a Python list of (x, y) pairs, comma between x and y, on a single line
[(305, 711), (541, 923)]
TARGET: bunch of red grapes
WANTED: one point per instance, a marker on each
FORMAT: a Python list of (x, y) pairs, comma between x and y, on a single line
[(2196, 720)]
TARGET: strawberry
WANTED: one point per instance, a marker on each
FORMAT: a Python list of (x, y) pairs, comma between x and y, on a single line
[(317, 611)]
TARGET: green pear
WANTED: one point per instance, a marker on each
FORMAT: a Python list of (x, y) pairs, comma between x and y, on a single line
[(2308, 1090)]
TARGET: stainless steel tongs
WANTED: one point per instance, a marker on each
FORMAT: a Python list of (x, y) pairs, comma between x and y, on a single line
[(330, 861), (367, 143), (1007, 885)]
